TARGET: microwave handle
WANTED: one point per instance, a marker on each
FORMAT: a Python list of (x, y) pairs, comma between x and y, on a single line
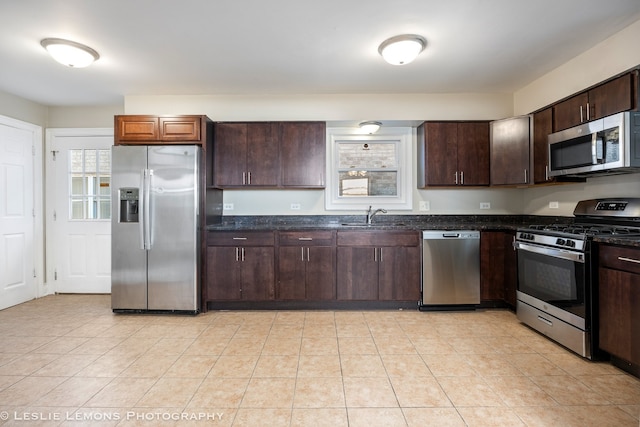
[(597, 149)]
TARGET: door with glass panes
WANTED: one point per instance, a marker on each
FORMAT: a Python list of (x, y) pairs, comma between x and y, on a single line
[(79, 209)]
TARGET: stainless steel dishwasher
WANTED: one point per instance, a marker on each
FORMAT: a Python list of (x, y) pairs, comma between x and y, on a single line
[(450, 269)]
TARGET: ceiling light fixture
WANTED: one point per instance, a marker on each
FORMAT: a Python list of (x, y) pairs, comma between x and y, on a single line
[(403, 49), (70, 53), (370, 126)]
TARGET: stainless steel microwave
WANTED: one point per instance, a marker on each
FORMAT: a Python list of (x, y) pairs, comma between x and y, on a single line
[(606, 146)]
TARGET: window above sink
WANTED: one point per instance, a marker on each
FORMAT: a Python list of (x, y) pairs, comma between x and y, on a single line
[(366, 170)]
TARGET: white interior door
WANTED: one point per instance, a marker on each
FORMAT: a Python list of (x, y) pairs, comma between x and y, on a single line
[(20, 145), (79, 210)]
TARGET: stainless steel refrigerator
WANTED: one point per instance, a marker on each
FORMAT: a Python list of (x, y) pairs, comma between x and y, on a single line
[(155, 243)]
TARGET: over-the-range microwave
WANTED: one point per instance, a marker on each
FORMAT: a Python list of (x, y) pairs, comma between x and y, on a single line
[(610, 146)]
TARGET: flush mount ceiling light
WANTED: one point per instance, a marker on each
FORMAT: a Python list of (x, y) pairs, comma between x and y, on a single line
[(403, 49), (370, 126), (70, 53)]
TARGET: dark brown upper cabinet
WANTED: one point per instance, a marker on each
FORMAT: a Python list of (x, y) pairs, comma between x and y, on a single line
[(511, 151), (453, 154), (269, 154), (542, 127), (611, 97), (245, 154)]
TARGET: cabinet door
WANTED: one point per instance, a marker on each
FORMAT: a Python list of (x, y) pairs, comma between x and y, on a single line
[(357, 273), (399, 273), (473, 153), (292, 264), (302, 154), (542, 127), (222, 274), (136, 128), (230, 154), (510, 269), (257, 273), (510, 151), (570, 112), (615, 329), (492, 262), (180, 129), (320, 274), (262, 154), (441, 153), (612, 97)]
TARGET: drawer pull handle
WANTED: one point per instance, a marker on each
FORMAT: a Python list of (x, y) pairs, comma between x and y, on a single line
[(239, 238), (305, 238), (546, 321), (635, 261)]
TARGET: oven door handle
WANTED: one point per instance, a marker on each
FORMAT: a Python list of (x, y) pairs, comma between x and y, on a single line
[(555, 253)]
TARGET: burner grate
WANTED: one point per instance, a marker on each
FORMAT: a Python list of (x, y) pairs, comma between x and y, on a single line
[(586, 229)]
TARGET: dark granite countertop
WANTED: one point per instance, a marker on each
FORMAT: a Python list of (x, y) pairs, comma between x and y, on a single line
[(381, 222), (632, 241)]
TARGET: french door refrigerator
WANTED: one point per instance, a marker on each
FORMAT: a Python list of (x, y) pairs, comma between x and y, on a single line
[(155, 246)]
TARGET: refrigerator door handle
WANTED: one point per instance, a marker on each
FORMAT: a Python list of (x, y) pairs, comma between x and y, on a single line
[(148, 173), (142, 208)]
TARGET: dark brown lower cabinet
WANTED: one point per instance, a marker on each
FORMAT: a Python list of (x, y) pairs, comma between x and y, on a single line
[(378, 265), (240, 266), (248, 273), (357, 273), (306, 265), (306, 273), (498, 268), (619, 302), (400, 277)]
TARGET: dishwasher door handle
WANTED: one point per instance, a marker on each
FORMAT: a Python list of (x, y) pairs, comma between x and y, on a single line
[(451, 235)]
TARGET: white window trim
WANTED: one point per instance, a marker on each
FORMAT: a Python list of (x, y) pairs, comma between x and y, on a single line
[(403, 136)]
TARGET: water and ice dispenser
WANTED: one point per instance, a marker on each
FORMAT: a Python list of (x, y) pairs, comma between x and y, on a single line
[(129, 204)]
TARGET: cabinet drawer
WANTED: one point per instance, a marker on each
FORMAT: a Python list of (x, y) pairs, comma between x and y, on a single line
[(307, 238), (240, 238), (378, 238), (620, 258)]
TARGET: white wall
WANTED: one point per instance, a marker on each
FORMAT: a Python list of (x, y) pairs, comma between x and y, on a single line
[(83, 117), (411, 107), (21, 109)]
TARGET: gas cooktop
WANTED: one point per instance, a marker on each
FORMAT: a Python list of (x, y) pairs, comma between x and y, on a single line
[(586, 229), (595, 217)]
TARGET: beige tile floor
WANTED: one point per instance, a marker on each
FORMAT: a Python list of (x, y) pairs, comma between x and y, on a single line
[(67, 360)]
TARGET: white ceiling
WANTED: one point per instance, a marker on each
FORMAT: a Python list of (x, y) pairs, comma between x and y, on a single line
[(187, 47)]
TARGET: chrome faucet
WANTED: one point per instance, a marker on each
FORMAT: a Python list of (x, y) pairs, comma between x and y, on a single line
[(370, 214)]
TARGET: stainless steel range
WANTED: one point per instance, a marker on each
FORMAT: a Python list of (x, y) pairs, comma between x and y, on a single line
[(557, 281)]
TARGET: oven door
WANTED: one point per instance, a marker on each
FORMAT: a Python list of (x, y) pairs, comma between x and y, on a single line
[(554, 281)]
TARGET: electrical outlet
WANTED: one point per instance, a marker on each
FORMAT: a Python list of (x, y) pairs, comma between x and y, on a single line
[(424, 205), (295, 206), (553, 205), (485, 205), (228, 206)]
